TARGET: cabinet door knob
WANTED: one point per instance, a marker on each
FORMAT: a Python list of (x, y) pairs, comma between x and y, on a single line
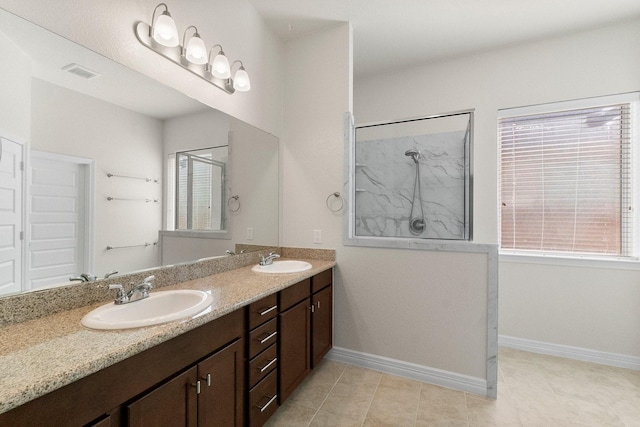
[(312, 308), (318, 305), (197, 386)]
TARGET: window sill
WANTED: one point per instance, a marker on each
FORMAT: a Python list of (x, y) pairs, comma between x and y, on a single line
[(197, 234), (581, 261)]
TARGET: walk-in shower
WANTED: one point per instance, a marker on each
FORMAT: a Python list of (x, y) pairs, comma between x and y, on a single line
[(416, 223), (412, 178)]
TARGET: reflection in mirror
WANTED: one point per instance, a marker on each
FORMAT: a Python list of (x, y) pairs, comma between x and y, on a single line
[(95, 139), (200, 177)]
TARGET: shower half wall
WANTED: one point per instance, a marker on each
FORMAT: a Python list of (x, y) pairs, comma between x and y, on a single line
[(412, 178)]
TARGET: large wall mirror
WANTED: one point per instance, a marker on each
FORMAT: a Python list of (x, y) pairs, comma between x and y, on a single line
[(88, 167)]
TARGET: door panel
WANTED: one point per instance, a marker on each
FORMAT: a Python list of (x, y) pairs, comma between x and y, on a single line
[(295, 347), (11, 182), (322, 324), (221, 403), (171, 404), (56, 220)]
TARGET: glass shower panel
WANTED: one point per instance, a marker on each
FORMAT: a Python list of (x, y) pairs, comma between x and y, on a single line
[(412, 178)]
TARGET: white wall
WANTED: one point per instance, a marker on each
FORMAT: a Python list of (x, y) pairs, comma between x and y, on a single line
[(425, 308), (585, 307), (106, 26), (122, 142), (15, 87)]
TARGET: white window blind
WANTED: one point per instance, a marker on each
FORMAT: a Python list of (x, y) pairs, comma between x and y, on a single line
[(200, 191), (565, 181)]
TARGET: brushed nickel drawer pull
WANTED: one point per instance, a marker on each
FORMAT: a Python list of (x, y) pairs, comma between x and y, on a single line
[(265, 367), (269, 310), (197, 386), (268, 337), (208, 378), (271, 400)]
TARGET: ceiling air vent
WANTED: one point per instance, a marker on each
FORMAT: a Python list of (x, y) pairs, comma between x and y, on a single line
[(80, 71)]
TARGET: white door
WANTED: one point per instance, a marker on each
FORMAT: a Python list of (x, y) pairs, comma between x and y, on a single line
[(56, 220), (10, 216)]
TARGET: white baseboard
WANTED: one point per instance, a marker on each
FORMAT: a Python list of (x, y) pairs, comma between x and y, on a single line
[(410, 370), (578, 353)]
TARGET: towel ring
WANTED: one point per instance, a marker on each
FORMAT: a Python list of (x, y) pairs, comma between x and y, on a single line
[(234, 200), (338, 196)]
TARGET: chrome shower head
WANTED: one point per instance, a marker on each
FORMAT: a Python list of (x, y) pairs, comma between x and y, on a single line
[(413, 153)]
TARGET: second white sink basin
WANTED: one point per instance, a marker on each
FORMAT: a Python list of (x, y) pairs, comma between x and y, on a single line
[(282, 267), (159, 307)]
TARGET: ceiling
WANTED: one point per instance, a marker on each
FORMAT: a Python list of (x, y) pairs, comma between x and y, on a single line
[(388, 34)]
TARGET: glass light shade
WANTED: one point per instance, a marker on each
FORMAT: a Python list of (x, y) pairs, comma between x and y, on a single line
[(241, 81), (165, 31), (220, 67), (196, 50)]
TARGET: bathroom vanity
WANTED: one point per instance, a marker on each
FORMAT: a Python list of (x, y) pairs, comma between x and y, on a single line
[(231, 366)]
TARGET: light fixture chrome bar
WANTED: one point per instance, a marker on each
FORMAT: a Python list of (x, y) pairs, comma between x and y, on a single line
[(173, 54)]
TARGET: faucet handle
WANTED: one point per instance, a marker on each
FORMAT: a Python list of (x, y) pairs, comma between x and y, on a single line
[(149, 279), (109, 274), (121, 297), (119, 287)]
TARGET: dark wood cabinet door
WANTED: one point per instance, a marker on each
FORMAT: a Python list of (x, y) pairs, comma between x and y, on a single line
[(322, 324), (295, 347), (220, 403), (104, 422), (171, 404)]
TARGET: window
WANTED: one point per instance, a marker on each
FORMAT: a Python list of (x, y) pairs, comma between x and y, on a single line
[(199, 189), (566, 179)]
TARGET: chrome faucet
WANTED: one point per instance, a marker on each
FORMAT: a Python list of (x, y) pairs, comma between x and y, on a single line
[(87, 277), (84, 277), (136, 293), (268, 260), (234, 253)]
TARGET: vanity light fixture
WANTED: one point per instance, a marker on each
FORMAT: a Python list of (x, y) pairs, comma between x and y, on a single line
[(220, 66), (241, 80), (162, 38), (163, 29), (195, 50)]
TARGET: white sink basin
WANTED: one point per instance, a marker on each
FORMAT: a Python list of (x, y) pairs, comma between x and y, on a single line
[(281, 267), (159, 307)]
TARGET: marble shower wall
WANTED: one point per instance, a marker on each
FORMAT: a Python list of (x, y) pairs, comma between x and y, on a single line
[(384, 186)]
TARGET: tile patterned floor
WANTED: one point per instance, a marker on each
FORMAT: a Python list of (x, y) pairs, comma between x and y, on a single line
[(533, 391)]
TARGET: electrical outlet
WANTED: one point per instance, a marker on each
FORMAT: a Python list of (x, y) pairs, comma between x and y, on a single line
[(317, 236), (249, 233)]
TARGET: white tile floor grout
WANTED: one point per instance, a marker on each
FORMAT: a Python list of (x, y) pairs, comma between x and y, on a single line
[(533, 391)]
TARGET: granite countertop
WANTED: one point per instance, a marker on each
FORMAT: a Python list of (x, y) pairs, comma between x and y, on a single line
[(42, 355)]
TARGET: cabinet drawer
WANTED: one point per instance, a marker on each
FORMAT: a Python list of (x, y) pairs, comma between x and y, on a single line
[(263, 310), (294, 294), (321, 280), (262, 365), (262, 337), (263, 400)]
